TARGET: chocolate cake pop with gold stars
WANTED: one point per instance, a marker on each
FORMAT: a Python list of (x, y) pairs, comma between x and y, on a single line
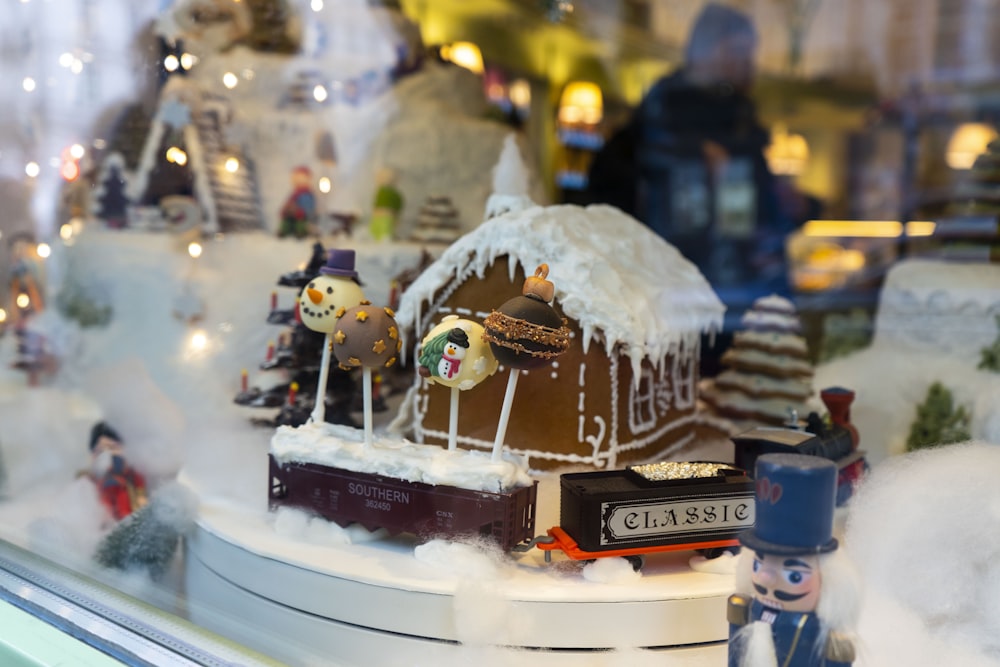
[(367, 336), (526, 332)]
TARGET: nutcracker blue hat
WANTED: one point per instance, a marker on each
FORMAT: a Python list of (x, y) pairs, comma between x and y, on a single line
[(795, 500), (339, 263)]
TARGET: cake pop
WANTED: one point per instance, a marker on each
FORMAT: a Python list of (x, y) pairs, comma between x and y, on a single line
[(455, 354), (320, 302), (368, 337), (525, 333)]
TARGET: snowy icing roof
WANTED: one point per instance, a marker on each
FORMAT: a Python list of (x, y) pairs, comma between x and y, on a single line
[(611, 273)]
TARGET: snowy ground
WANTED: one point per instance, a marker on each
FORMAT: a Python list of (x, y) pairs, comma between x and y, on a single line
[(172, 402)]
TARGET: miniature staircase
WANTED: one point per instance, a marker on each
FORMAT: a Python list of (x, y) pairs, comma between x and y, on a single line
[(236, 195)]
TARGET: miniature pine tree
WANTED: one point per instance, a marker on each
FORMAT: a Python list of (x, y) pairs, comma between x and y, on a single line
[(112, 202), (148, 538), (989, 359), (939, 421)]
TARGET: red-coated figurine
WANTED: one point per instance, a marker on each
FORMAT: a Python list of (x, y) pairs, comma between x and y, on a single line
[(122, 488)]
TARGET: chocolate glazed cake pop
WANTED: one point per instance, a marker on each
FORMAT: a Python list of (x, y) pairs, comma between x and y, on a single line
[(526, 332)]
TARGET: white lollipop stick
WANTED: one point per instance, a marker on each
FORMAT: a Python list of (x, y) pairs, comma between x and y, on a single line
[(453, 421), (508, 401), (319, 408), (366, 387)]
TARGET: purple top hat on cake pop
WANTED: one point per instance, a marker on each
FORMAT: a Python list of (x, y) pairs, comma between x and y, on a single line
[(339, 263)]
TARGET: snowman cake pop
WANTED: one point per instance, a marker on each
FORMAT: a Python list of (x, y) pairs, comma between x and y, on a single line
[(455, 354), (321, 302), (334, 288)]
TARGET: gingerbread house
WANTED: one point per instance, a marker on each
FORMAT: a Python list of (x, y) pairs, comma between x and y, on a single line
[(626, 389)]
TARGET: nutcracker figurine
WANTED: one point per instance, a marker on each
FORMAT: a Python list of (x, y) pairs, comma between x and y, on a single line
[(797, 596)]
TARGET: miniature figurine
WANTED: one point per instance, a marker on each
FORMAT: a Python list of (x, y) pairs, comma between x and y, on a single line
[(796, 596), (455, 354), (24, 280), (321, 303), (525, 333), (388, 204), (299, 211), (122, 488)]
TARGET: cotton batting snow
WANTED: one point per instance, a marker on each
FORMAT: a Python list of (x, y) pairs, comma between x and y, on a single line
[(344, 447), (922, 531), (612, 275), (611, 571)]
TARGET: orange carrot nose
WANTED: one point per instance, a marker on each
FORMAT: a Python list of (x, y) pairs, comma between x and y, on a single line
[(314, 295)]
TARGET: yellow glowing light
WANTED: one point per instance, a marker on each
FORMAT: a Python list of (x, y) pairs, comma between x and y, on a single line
[(23, 300), (232, 165), (77, 151), (32, 169), (581, 103), (28, 84), (788, 152), (325, 185), (177, 156), (69, 170), (188, 60), (319, 93), (171, 63), (66, 232), (194, 249), (43, 250), (465, 54), (968, 142), (229, 80), (3, 315), (920, 228), (520, 93), (856, 228), (199, 341)]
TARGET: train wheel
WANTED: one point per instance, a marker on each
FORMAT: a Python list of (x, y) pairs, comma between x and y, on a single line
[(636, 561)]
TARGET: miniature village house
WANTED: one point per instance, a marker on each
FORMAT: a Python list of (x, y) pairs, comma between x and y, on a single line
[(625, 391)]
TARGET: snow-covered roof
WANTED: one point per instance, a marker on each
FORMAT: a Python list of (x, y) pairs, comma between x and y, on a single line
[(612, 275)]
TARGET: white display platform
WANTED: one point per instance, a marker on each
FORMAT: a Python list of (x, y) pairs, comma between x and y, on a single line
[(376, 604)]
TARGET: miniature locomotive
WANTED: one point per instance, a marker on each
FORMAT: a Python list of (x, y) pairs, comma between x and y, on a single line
[(837, 441)]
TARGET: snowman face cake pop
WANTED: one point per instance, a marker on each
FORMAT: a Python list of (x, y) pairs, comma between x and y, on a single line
[(327, 295), (454, 354)]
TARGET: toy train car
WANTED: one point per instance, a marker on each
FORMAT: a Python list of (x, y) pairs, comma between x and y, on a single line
[(399, 506), (837, 441), (668, 506)]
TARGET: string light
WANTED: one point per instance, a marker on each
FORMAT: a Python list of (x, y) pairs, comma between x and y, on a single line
[(229, 80), (171, 63), (43, 250), (194, 249), (319, 93), (324, 185), (232, 165), (28, 84), (32, 169)]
